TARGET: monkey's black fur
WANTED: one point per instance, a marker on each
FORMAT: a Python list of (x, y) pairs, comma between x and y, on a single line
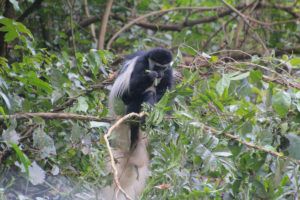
[(149, 65)]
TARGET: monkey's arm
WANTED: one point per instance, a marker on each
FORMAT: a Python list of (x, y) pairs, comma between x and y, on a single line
[(141, 79)]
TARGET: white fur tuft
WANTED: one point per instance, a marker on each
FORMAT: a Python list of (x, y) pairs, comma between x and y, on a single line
[(121, 84)]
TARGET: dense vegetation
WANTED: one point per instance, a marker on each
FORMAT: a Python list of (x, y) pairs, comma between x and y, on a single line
[(229, 129)]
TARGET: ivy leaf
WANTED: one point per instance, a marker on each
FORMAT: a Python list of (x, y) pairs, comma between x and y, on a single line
[(82, 105), (44, 143), (281, 103), (222, 84), (10, 136), (293, 149)]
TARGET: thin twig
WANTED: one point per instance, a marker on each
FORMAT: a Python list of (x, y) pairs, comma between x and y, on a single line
[(113, 163), (104, 22), (92, 26), (246, 20), (71, 6)]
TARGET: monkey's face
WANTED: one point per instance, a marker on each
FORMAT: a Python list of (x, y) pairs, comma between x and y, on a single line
[(159, 68)]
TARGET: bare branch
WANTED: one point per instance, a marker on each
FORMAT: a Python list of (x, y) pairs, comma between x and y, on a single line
[(104, 22), (221, 12), (92, 26), (112, 159), (46, 115)]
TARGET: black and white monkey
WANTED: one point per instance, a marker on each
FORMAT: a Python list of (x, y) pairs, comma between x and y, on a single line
[(144, 78)]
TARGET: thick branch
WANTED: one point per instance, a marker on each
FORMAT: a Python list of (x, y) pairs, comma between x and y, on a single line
[(46, 115), (221, 12), (288, 9), (35, 6), (104, 22)]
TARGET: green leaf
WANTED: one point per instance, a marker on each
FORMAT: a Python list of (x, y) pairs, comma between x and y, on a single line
[(22, 29), (295, 62), (281, 103), (44, 143), (285, 57), (256, 76), (214, 59), (222, 84), (22, 157), (294, 147), (31, 79), (13, 29), (6, 100), (82, 105), (240, 76)]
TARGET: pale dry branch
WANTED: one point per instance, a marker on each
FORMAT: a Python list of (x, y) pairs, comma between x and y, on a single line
[(92, 26), (112, 159), (46, 115), (104, 22)]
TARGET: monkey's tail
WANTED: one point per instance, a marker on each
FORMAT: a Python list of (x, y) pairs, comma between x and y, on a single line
[(132, 165)]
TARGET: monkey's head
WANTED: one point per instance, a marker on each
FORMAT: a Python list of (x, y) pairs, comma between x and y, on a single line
[(159, 59)]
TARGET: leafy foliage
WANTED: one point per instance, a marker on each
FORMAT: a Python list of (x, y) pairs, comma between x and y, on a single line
[(229, 129)]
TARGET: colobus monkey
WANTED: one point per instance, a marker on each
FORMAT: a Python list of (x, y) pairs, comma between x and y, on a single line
[(144, 77)]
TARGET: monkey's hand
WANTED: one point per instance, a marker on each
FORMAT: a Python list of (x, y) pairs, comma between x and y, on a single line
[(152, 74)]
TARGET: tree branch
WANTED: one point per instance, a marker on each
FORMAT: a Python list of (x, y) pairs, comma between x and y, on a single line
[(222, 12), (104, 22), (46, 115), (140, 18), (112, 159), (92, 26)]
